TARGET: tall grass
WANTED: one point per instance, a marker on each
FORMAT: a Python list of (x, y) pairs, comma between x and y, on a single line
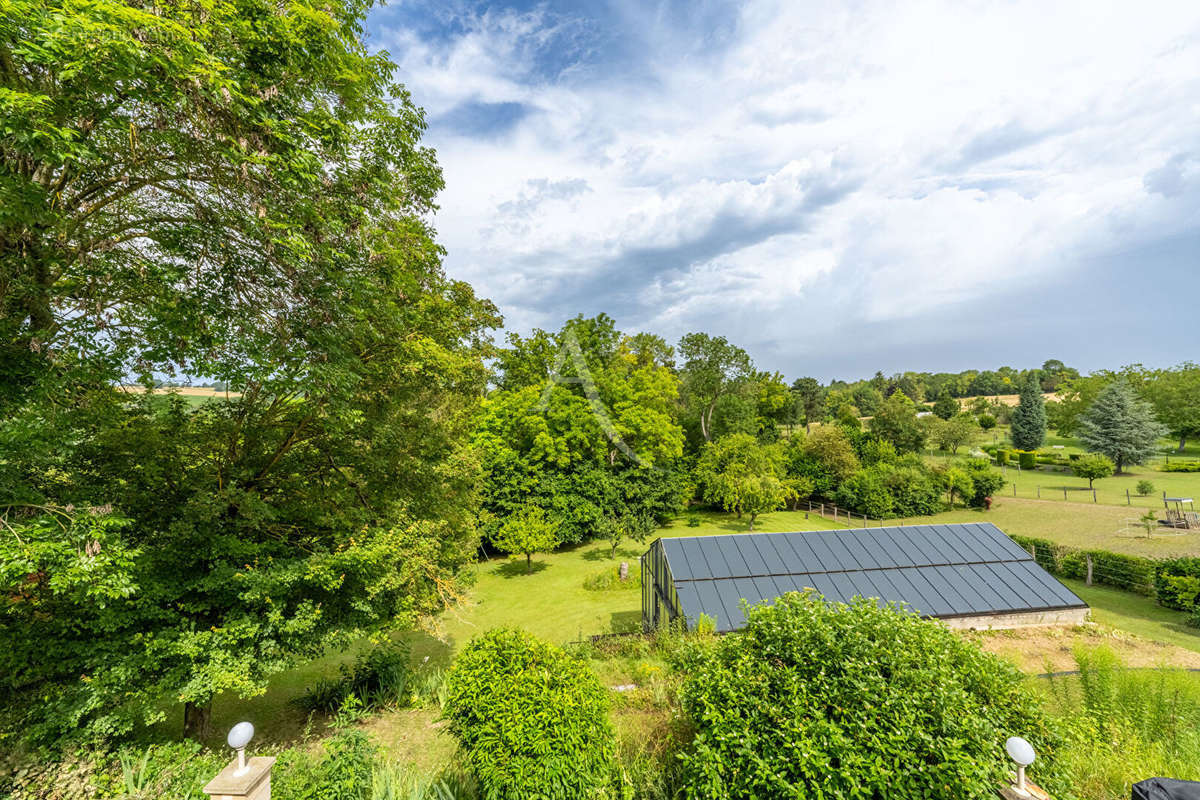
[(1126, 725)]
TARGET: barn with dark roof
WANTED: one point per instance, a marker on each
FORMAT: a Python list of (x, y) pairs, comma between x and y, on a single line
[(970, 575)]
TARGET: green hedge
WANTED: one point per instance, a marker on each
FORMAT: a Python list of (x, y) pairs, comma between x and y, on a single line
[(1174, 568), (1131, 573), (1181, 466), (1027, 459), (1001, 457)]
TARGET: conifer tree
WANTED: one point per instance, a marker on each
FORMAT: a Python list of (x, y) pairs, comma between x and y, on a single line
[(945, 406), (1121, 426), (1029, 417)]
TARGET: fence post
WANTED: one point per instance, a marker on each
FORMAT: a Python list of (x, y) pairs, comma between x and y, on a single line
[(1088, 556), (1127, 500), (1064, 493), (1014, 489), (1039, 492)]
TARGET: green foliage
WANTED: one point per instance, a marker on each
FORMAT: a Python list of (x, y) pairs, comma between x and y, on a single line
[(826, 457), (713, 369), (1168, 578), (896, 422), (986, 421), (609, 578), (1121, 571), (1002, 457), (1029, 417), (949, 435), (741, 475), (1145, 488), (1027, 459), (528, 531), (531, 719), (236, 192), (985, 481), (810, 397), (1120, 426), (945, 407), (957, 482), (867, 399), (1180, 466), (1126, 724), (378, 678), (599, 442), (1092, 466), (813, 699)]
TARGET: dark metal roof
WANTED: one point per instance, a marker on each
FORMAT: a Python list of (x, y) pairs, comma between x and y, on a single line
[(953, 570)]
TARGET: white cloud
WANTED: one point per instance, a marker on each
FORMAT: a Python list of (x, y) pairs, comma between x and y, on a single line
[(897, 158)]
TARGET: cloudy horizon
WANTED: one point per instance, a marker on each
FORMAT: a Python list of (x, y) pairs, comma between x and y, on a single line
[(837, 188)]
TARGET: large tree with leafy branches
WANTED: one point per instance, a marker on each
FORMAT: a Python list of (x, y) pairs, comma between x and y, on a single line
[(236, 191), (713, 369), (740, 474)]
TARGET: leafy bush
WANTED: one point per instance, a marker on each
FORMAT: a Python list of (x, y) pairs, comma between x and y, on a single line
[(1144, 488), (531, 718), (1026, 459), (833, 700), (985, 480), (378, 678), (865, 492), (1181, 466), (1166, 589), (693, 520), (1001, 456), (987, 421)]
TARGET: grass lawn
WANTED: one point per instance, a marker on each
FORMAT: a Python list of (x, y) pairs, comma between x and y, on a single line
[(1137, 614)]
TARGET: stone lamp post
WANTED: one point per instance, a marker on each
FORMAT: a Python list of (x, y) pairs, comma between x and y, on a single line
[(242, 778)]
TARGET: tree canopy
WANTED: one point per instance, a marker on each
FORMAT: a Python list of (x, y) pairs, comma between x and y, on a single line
[(1029, 417), (236, 191)]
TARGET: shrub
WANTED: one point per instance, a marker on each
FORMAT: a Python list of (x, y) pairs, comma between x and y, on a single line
[(833, 700), (1182, 466), (1001, 457), (865, 492), (1027, 459), (1144, 488), (531, 718), (985, 480), (1132, 573), (1093, 466), (378, 678), (693, 520), (987, 421), (1166, 585)]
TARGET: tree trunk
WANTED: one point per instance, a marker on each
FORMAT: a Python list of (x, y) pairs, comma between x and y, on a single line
[(1182, 442), (197, 720), (752, 516), (528, 563)]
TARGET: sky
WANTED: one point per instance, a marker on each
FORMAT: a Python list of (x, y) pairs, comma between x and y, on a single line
[(837, 187)]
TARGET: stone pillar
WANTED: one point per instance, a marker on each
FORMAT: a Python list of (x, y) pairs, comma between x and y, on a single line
[(253, 782)]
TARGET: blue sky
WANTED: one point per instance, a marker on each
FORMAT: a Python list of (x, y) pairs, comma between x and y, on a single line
[(837, 187)]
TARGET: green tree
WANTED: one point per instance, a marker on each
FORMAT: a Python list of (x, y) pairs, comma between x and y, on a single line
[(237, 193), (896, 422), (987, 421), (826, 457), (946, 406), (600, 441), (957, 481), (742, 475), (867, 399), (1120, 426), (712, 369), (953, 433), (1029, 417), (811, 397), (1092, 466), (985, 480), (528, 531), (1175, 394)]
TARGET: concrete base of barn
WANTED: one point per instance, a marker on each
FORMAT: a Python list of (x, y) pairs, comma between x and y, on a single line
[(1028, 619)]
